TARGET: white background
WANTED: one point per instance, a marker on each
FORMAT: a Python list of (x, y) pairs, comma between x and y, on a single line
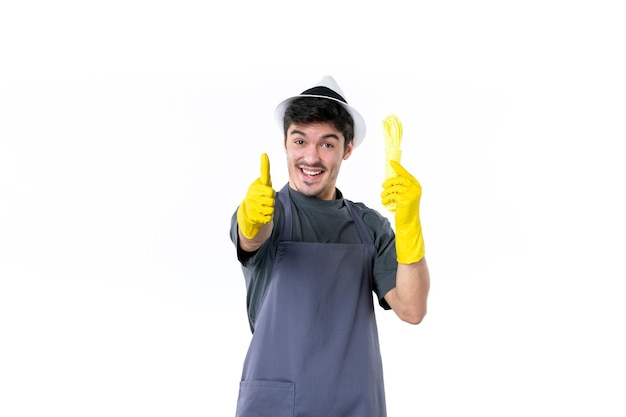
[(129, 132)]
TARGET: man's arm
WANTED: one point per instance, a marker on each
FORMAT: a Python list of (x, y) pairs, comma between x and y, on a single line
[(252, 245), (410, 295)]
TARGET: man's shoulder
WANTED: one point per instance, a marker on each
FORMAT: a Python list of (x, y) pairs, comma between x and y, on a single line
[(371, 215), (361, 206)]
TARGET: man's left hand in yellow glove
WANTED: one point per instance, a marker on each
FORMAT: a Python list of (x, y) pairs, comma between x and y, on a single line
[(405, 191)]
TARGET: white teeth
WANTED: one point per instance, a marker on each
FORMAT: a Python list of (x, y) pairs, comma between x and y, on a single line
[(311, 172)]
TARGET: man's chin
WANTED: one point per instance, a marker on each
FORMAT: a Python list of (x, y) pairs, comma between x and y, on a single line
[(308, 189), (309, 192), (316, 191)]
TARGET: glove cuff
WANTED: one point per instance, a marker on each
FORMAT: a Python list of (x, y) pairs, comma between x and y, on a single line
[(410, 246)]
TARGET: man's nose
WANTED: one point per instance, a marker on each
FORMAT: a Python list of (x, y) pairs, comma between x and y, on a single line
[(311, 153)]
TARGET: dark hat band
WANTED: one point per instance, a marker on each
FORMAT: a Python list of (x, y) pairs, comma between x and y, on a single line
[(324, 91)]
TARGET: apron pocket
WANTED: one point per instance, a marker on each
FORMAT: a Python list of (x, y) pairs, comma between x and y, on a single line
[(266, 399)]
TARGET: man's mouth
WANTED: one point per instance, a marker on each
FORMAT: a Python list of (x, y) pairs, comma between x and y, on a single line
[(310, 172)]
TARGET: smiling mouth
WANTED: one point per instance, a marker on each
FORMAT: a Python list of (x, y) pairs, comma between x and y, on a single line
[(310, 172)]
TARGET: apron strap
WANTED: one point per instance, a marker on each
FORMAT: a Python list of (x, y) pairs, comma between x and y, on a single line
[(364, 234), (283, 197)]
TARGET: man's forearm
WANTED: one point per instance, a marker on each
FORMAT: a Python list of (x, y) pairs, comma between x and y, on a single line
[(409, 298), (251, 245)]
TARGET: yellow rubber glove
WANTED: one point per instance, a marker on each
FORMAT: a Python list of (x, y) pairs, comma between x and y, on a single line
[(405, 191), (257, 208)]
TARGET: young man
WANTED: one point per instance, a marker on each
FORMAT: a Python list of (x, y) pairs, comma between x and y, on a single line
[(311, 261)]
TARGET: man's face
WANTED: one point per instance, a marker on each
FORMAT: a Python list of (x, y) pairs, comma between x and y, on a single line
[(314, 156)]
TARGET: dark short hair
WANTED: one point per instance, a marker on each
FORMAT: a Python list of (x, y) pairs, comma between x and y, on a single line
[(305, 110)]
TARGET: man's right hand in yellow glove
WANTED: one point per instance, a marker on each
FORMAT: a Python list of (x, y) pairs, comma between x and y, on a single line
[(257, 209)]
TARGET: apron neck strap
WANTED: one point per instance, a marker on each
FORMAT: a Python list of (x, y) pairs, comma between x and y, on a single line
[(283, 196)]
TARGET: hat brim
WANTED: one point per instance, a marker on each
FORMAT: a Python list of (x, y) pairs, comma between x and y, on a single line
[(359, 122)]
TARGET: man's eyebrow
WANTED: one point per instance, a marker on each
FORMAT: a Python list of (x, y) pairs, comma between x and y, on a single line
[(327, 136)]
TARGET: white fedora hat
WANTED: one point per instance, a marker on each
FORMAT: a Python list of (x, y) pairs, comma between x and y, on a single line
[(328, 88)]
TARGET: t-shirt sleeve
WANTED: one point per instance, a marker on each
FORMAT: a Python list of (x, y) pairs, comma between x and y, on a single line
[(242, 256)]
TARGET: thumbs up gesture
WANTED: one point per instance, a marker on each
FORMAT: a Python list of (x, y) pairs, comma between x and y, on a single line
[(257, 207)]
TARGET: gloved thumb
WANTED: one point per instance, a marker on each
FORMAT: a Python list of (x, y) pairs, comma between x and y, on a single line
[(265, 170), (400, 171)]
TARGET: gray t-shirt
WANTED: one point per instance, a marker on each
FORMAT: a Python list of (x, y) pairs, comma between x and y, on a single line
[(324, 221)]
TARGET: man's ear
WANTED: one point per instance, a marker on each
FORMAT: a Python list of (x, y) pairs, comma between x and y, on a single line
[(348, 151)]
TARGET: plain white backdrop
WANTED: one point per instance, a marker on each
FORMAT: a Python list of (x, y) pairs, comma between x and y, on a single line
[(129, 132)]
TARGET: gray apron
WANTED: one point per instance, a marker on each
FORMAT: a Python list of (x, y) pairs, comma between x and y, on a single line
[(315, 349)]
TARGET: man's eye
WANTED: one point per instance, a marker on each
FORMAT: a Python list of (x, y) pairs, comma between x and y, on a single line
[(298, 141), (327, 145)]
